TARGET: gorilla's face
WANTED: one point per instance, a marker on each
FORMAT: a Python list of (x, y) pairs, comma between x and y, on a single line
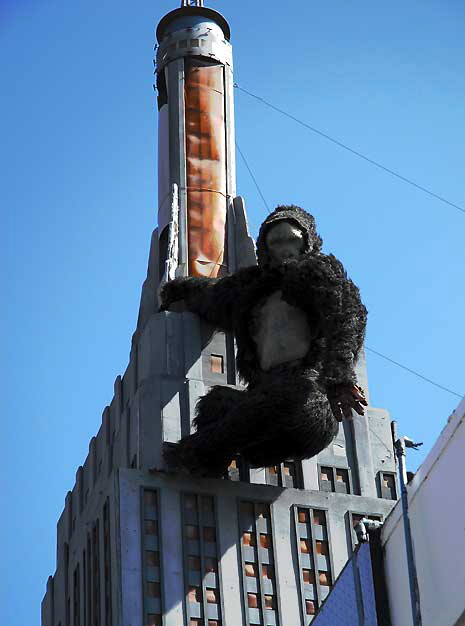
[(284, 241)]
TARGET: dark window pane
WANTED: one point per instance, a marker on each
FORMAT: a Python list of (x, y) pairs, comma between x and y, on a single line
[(152, 558)]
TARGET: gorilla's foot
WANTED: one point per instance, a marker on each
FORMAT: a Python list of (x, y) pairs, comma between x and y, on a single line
[(213, 406)]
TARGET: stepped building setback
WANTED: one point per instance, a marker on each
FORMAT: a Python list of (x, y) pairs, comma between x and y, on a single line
[(139, 545)]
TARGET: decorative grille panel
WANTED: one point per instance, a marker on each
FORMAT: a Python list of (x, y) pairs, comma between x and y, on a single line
[(315, 567), (153, 608), (201, 561), (258, 566)]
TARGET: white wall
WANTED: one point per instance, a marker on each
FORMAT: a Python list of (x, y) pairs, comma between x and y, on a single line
[(437, 514)]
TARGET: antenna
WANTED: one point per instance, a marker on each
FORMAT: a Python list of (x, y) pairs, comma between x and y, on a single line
[(192, 3)]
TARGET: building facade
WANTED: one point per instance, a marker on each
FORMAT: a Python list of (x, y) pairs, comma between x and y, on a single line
[(374, 588), (138, 545)]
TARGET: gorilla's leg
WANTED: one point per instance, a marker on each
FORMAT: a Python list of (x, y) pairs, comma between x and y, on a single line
[(190, 453), (285, 415), (212, 407)]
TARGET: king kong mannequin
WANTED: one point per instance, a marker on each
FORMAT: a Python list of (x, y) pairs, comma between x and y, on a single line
[(299, 326)]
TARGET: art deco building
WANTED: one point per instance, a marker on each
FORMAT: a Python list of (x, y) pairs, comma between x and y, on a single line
[(138, 545)]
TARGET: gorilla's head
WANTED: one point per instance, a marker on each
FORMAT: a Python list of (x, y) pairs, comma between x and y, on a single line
[(287, 233)]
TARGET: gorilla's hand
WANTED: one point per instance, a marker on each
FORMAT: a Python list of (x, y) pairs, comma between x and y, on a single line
[(172, 291), (344, 398)]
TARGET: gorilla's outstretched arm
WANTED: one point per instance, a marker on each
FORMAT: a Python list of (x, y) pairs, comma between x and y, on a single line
[(213, 299)]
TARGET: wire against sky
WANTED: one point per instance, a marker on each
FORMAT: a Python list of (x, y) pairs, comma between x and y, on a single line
[(349, 149), (408, 369), (253, 178)]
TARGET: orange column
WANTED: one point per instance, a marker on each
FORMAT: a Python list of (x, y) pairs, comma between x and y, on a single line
[(205, 168)]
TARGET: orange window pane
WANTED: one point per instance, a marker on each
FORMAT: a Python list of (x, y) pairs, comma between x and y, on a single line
[(212, 596), (152, 558), (195, 621), (326, 473), (233, 464), (289, 468), (153, 620), (153, 590), (209, 534), (267, 572), (150, 527), (273, 469), (216, 364), (308, 576), (252, 601), (310, 607), (250, 569), (192, 532), (305, 546), (322, 547), (213, 622), (193, 563), (303, 516), (342, 476), (248, 539), (211, 565), (190, 502), (265, 541), (150, 498), (194, 594), (388, 480), (324, 578), (269, 604), (319, 518)]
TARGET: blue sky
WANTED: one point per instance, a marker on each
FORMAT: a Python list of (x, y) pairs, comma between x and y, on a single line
[(78, 159)]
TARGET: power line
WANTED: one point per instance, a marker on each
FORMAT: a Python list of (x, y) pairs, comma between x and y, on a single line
[(253, 178), (349, 149), (408, 369)]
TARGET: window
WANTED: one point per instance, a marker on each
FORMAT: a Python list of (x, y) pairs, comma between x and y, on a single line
[(354, 519), (238, 470), (107, 562), (335, 479), (287, 474), (76, 597), (201, 560), (95, 542), (216, 364), (151, 559), (387, 485), (257, 554), (315, 566)]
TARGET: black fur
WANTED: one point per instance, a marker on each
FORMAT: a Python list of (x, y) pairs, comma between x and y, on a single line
[(284, 412)]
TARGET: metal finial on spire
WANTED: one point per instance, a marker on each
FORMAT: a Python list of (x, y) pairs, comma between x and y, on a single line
[(192, 3)]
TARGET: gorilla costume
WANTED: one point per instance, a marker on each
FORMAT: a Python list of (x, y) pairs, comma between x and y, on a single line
[(299, 326)]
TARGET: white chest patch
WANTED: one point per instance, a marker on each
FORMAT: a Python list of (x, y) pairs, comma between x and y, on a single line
[(280, 332)]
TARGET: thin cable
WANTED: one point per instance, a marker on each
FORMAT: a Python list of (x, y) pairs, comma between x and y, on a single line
[(404, 367), (359, 154), (253, 178)]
